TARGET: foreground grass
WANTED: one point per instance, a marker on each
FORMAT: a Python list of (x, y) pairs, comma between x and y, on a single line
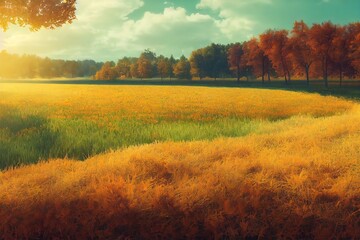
[(298, 179), (39, 121)]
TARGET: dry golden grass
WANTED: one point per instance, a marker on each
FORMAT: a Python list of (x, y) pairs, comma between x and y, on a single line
[(150, 103), (298, 180)]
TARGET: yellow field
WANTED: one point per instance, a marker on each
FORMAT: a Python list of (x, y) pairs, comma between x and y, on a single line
[(170, 103), (297, 178)]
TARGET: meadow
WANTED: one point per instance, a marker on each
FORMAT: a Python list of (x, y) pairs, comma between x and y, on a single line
[(38, 122), (177, 162)]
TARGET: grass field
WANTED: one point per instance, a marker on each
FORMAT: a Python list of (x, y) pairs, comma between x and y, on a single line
[(39, 122), (177, 162)]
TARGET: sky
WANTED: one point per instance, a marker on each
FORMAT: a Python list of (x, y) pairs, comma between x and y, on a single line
[(111, 29)]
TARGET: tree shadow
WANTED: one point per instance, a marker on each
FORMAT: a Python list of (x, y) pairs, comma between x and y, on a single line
[(24, 139)]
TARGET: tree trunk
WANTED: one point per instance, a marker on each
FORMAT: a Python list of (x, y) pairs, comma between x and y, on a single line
[(263, 70), (289, 76), (238, 74), (284, 70), (325, 71), (341, 75), (307, 75)]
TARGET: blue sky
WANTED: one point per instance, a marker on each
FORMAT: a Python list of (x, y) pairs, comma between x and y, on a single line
[(111, 29)]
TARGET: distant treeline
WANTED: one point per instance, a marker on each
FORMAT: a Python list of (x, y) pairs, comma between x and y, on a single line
[(321, 51), (29, 66), (317, 52)]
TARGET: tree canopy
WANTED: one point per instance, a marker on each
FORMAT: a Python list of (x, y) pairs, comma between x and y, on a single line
[(36, 13)]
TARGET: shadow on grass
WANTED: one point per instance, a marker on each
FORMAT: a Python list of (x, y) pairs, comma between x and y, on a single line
[(24, 139), (28, 139)]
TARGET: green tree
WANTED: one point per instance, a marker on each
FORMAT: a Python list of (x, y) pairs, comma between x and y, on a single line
[(71, 69), (210, 61), (46, 68), (216, 61), (198, 64)]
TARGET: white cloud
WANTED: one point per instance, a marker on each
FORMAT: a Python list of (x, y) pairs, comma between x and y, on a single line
[(234, 22), (229, 7), (106, 11), (235, 28), (171, 32), (84, 38), (103, 31)]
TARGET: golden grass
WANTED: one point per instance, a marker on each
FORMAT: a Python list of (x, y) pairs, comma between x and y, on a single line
[(298, 180), (149, 103)]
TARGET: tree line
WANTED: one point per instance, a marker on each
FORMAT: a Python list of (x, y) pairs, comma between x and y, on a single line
[(148, 65), (321, 51), (29, 66), (318, 52)]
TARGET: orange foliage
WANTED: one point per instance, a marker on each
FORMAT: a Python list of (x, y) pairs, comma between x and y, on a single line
[(321, 38), (275, 45), (255, 57), (107, 72), (37, 14), (355, 54), (301, 53), (235, 61)]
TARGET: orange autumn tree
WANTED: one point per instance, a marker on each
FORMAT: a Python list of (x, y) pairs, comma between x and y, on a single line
[(301, 53), (255, 58), (36, 13), (275, 45), (163, 67), (146, 63), (235, 54), (321, 39), (107, 72), (355, 53), (340, 50), (182, 68), (353, 31)]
